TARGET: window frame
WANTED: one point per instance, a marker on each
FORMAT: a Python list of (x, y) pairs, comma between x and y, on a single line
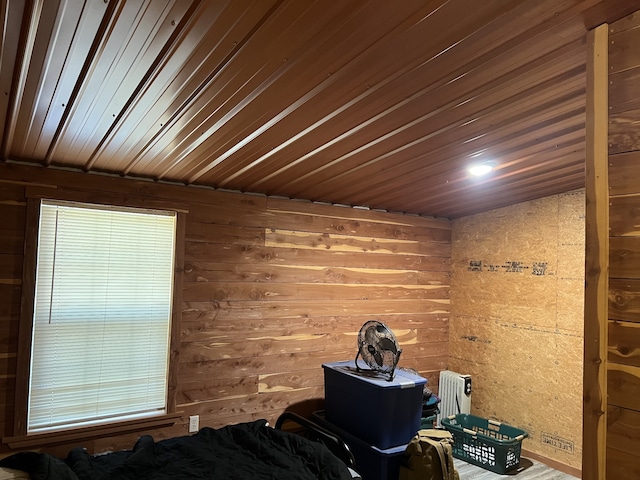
[(34, 196)]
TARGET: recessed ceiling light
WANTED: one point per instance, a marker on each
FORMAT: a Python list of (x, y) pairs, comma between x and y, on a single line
[(480, 169)]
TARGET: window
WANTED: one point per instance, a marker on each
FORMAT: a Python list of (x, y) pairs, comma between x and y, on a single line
[(101, 316)]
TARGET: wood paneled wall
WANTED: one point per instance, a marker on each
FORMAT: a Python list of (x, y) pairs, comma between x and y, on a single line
[(517, 320), (272, 289), (623, 362)]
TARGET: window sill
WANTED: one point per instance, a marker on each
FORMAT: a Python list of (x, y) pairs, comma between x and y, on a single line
[(51, 438)]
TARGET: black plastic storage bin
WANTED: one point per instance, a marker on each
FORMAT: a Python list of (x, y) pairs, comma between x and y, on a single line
[(371, 462), (489, 444)]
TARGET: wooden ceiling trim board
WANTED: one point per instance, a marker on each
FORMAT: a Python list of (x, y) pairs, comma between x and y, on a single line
[(506, 81), (187, 71), (339, 74)]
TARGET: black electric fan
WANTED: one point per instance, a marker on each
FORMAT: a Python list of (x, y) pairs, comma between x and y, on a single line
[(378, 347)]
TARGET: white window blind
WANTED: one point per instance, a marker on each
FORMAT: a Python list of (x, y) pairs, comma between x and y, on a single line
[(102, 315)]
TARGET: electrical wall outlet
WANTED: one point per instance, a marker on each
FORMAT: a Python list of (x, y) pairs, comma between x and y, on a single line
[(194, 423)]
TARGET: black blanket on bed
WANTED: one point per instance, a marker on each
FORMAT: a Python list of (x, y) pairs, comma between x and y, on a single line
[(246, 451)]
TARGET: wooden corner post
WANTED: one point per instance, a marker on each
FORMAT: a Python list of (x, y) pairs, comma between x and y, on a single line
[(597, 259)]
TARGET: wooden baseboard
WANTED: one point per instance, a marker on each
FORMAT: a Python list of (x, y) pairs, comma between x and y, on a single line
[(561, 467)]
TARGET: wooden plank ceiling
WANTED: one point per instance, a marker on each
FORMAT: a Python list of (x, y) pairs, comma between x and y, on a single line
[(381, 104)]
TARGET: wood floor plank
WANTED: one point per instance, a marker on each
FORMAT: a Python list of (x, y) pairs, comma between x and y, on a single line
[(528, 470)]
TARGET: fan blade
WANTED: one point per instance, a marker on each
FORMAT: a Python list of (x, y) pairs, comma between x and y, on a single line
[(378, 358), (370, 334), (387, 344)]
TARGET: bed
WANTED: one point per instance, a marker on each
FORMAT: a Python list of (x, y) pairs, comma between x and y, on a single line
[(252, 450)]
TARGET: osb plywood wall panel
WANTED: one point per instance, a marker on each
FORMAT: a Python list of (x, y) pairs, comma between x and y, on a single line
[(623, 362), (272, 289), (517, 319)]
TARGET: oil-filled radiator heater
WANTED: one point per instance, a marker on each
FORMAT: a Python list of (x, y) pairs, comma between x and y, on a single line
[(454, 390)]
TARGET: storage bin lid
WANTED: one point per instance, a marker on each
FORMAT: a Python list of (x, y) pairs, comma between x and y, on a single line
[(402, 379)]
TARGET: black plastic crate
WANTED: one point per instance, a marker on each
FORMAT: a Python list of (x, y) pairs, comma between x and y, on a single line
[(371, 462), (489, 444)]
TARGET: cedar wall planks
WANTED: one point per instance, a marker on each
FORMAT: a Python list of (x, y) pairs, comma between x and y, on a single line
[(623, 371), (272, 289)]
